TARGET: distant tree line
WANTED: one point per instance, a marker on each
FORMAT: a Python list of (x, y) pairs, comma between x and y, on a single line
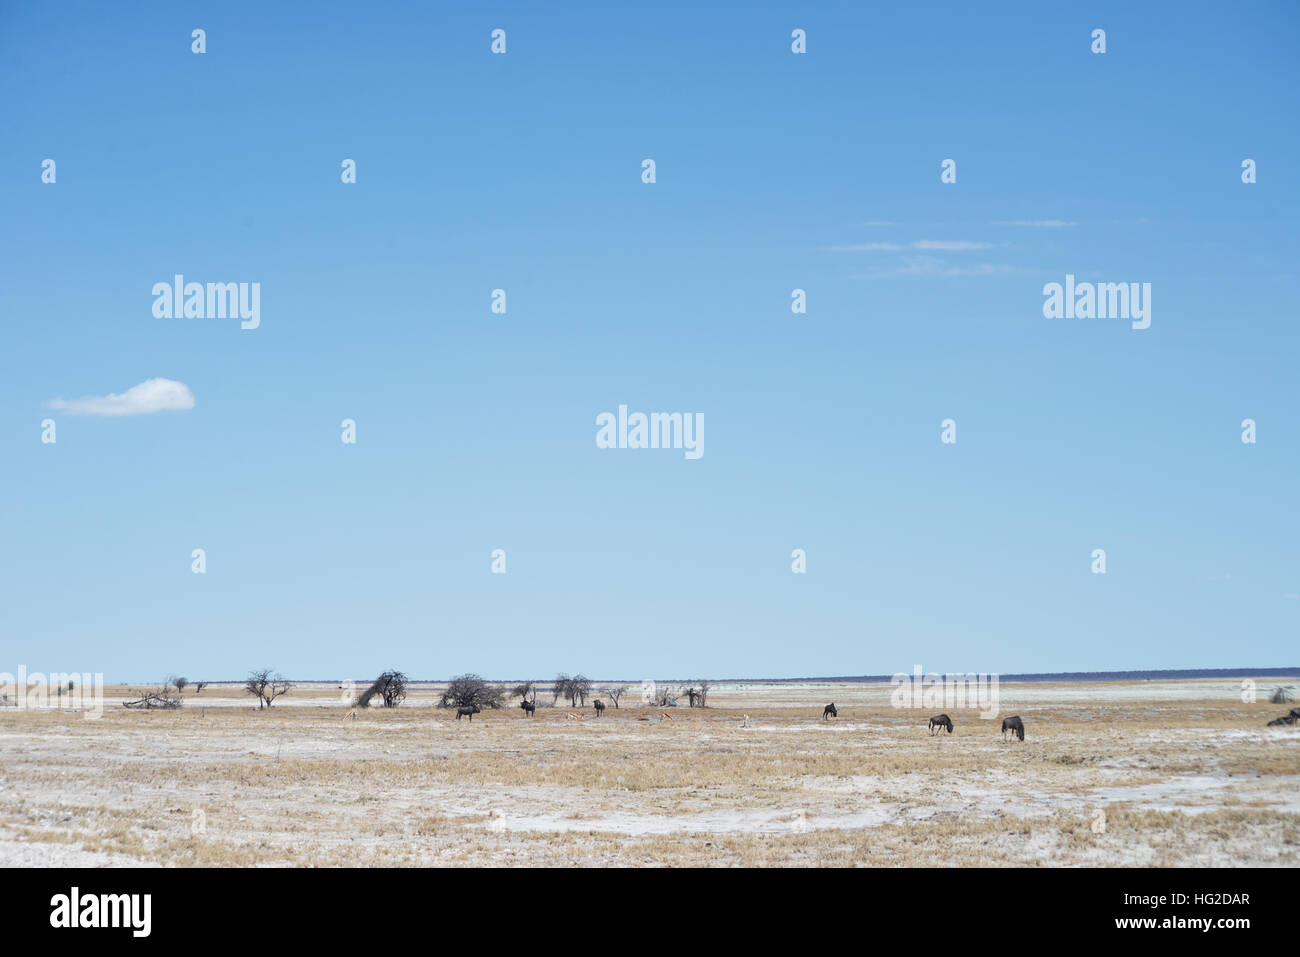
[(467, 690)]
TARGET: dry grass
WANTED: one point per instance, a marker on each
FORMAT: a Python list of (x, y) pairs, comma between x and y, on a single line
[(1101, 779)]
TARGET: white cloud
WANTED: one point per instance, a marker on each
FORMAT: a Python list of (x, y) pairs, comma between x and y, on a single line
[(939, 268), (1043, 223), (950, 245), (152, 395), (864, 248)]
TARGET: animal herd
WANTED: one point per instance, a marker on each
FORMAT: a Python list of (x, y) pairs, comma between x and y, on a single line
[(941, 722), (530, 710)]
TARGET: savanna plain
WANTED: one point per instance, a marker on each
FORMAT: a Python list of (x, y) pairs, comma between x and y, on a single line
[(1179, 773)]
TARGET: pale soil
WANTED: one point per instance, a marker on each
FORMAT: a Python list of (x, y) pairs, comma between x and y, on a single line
[(1146, 773)]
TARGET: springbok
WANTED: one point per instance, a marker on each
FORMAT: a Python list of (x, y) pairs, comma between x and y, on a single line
[(351, 714)]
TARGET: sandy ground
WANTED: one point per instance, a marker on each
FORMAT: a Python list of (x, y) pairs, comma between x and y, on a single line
[(1142, 773)]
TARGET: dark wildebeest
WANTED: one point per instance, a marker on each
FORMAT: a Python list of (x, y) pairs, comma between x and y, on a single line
[(599, 706), (1014, 725), (529, 709), (942, 721), (1285, 719), (467, 712), (829, 711)]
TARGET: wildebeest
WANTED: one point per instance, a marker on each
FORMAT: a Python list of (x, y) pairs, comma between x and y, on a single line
[(1291, 717), (599, 706), (1014, 725), (467, 712), (941, 721), (529, 708), (829, 711)]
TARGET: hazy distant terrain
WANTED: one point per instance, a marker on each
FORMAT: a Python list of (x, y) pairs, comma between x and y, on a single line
[(1176, 773)]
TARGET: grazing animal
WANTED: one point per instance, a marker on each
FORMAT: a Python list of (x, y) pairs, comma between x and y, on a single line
[(1294, 713), (942, 721), (600, 707), (1014, 725), (829, 711), (467, 712), (530, 709), (1285, 719)]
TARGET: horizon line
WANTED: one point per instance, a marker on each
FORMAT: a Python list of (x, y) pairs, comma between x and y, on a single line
[(1039, 676)]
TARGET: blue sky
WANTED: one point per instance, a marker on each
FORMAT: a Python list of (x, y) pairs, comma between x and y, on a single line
[(477, 431)]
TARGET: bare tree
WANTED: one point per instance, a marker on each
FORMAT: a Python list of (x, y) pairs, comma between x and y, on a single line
[(523, 691), (581, 689), (390, 687), (180, 682), (560, 689), (615, 692), (663, 697), (465, 691), (577, 688), (199, 686), (393, 688), (703, 693), (266, 687), (162, 698)]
